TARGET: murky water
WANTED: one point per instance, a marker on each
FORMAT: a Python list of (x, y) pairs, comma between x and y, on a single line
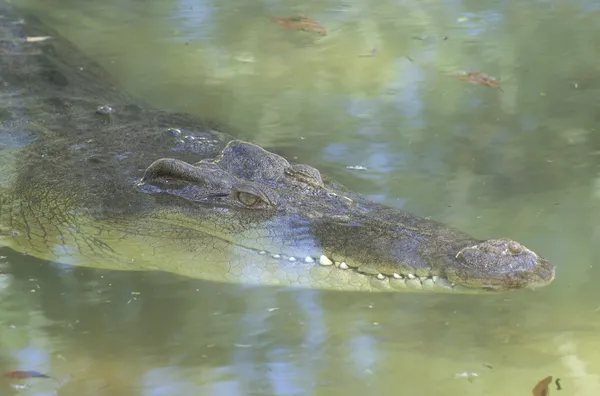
[(378, 91)]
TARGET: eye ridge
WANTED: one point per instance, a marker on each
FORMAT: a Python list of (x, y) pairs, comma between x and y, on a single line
[(305, 174)]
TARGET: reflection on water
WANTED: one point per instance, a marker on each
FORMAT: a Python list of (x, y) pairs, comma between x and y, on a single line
[(520, 162), (98, 332)]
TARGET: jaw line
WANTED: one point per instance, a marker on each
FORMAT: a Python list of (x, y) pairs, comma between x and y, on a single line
[(397, 282)]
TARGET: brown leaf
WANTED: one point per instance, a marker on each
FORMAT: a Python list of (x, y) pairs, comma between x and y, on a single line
[(541, 389), (21, 374), (300, 23), (479, 78)]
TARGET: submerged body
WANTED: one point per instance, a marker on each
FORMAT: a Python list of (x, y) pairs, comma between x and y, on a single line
[(90, 177)]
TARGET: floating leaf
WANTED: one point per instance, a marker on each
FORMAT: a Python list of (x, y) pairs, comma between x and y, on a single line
[(541, 389), (21, 374), (300, 23), (479, 78)]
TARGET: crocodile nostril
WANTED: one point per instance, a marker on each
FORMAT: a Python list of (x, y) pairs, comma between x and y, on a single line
[(515, 248)]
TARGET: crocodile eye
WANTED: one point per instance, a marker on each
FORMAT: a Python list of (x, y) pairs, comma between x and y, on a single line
[(251, 197), (248, 199)]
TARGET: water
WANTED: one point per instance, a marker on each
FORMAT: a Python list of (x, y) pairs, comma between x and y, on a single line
[(521, 162)]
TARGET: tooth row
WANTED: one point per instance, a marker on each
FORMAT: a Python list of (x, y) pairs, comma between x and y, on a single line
[(326, 261)]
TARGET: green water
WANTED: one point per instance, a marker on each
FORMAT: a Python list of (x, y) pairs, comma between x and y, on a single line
[(521, 161)]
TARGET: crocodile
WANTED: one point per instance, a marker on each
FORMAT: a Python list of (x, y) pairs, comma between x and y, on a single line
[(93, 176)]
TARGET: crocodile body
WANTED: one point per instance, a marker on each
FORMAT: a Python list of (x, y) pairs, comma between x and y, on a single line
[(93, 177)]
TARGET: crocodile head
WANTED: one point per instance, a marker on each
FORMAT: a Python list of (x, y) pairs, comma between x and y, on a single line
[(293, 227)]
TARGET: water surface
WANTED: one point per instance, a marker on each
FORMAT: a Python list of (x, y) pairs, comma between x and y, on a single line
[(378, 91)]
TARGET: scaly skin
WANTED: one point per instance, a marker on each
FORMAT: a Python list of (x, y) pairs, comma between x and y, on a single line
[(91, 177)]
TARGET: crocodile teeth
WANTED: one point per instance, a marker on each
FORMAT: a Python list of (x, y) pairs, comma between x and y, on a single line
[(411, 276), (324, 260), (343, 265), (276, 256), (380, 276), (292, 258), (309, 259), (397, 276)]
